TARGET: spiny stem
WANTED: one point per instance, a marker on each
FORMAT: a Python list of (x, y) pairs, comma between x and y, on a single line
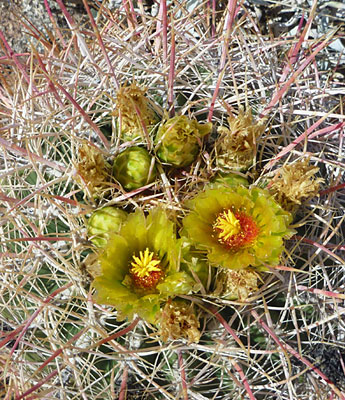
[(165, 30), (52, 19), (171, 75), (13, 57), (130, 327), (294, 50), (286, 348), (39, 384), (123, 387), (35, 314), (100, 41), (183, 375), (283, 89)]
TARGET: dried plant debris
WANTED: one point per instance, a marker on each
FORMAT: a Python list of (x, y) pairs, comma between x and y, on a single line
[(92, 265), (236, 146), (93, 170), (236, 285), (178, 321), (295, 183)]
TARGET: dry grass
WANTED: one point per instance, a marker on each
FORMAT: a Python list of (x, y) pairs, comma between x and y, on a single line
[(55, 342)]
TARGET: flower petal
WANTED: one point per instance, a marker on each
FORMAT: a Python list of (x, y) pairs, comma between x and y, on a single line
[(114, 259)]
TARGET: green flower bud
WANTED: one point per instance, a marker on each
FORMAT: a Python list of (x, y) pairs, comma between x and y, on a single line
[(103, 222), (132, 168), (177, 140), (228, 180)]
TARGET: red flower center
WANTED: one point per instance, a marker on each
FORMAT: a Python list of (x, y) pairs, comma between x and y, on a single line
[(147, 282), (235, 230)]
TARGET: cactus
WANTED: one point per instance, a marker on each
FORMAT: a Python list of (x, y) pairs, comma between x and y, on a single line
[(217, 336)]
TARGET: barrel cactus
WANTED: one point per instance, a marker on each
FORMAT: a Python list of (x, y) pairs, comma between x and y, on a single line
[(230, 333)]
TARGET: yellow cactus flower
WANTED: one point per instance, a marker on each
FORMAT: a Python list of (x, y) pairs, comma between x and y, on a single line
[(140, 267), (237, 227)]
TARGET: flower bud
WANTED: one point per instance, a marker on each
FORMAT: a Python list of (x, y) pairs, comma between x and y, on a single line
[(178, 140), (133, 169), (228, 180), (103, 222)]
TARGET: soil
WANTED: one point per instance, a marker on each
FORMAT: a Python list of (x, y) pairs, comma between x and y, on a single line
[(13, 13)]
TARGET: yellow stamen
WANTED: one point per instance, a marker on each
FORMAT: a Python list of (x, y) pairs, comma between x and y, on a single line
[(144, 264), (227, 225)]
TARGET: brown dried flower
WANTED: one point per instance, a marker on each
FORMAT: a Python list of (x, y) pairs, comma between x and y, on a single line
[(236, 145), (92, 265), (178, 320), (92, 168), (295, 183), (236, 285), (135, 112)]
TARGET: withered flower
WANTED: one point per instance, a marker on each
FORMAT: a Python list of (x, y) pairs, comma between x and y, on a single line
[(178, 320), (236, 146), (93, 169), (235, 285), (295, 183), (136, 114)]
